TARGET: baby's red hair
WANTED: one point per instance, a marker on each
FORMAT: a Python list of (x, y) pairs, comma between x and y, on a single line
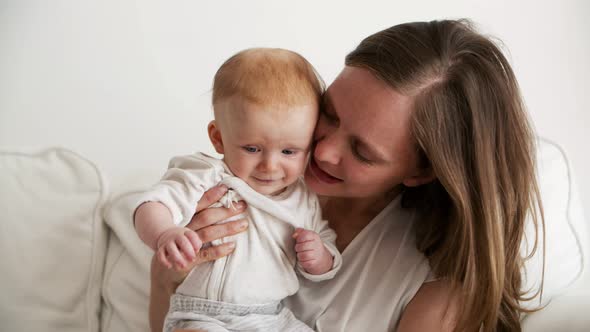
[(268, 76)]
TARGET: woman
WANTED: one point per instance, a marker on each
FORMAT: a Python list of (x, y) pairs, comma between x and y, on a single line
[(424, 160)]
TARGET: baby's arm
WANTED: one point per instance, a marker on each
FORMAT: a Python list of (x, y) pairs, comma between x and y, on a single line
[(176, 246), (171, 203), (317, 255)]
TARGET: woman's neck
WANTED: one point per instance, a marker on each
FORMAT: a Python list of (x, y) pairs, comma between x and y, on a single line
[(348, 216)]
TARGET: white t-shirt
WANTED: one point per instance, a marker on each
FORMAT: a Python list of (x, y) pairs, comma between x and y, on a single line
[(381, 272)]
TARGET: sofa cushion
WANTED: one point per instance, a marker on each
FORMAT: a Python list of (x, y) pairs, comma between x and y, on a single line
[(53, 241), (126, 280)]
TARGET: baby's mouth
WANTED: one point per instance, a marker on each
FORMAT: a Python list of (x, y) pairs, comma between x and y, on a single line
[(262, 180)]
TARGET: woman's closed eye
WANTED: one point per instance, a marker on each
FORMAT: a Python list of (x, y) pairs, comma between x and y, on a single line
[(356, 151)]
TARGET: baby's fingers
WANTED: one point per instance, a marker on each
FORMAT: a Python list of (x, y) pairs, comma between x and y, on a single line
[(194, 240), (185, 247), (308, 264), (305, 235), (163, 259), (297, 232), (306, 256), (305, 246), (174, 254)]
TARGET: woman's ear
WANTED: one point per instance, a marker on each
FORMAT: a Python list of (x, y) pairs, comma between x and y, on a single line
[(424, 176), (215, 136)]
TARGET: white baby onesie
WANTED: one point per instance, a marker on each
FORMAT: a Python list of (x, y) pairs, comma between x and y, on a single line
[(263, 267)]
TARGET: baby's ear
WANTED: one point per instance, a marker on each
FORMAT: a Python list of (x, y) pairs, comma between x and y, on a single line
[(215, 136)]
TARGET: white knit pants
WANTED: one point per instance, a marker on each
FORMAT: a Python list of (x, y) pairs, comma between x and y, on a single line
[(199, 314)]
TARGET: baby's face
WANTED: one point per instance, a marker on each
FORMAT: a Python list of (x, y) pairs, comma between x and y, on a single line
[(267, 148)]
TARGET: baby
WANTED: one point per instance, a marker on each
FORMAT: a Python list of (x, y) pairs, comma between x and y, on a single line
[(265, 104)]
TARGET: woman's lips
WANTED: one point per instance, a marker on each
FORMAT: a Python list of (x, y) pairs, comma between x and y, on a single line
[(320, 174)]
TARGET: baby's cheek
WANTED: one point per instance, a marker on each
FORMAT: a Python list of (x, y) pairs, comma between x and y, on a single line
[(240, 167), (300, 165)]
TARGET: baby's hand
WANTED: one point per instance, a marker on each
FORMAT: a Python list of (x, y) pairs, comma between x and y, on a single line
[(312, 255), (177, 247)]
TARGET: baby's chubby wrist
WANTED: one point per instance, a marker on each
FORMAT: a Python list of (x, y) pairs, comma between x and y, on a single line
[(324, 262)]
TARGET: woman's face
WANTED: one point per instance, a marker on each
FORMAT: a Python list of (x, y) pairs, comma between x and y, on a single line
[(363, 146)]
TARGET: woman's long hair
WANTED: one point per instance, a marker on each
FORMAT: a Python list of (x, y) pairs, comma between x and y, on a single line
[(471, 129)]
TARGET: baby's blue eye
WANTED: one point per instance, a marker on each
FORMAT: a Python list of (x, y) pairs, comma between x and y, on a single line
[(251, 149), (288, 152)]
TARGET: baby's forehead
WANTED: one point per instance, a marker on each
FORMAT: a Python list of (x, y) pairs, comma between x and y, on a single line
[(250, 118), (242, 108)]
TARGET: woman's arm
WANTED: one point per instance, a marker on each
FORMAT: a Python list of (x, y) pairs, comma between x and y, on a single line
[(164, 281), (432, 309)]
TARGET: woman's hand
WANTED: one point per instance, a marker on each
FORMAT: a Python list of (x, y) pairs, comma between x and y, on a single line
[(164, 281), (204, 224)]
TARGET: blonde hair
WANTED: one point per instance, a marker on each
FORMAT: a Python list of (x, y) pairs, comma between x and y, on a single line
[(471, 128), (268, 76)]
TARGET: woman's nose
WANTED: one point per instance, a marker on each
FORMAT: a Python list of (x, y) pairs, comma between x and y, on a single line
[(328, 148)]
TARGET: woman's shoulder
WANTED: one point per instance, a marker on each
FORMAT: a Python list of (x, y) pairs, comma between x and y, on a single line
[(433, 308)]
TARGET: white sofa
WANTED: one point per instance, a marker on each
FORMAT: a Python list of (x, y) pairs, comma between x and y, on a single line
[(71, 260)]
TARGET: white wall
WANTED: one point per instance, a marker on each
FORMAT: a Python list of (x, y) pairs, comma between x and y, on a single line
[(126, 83)]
